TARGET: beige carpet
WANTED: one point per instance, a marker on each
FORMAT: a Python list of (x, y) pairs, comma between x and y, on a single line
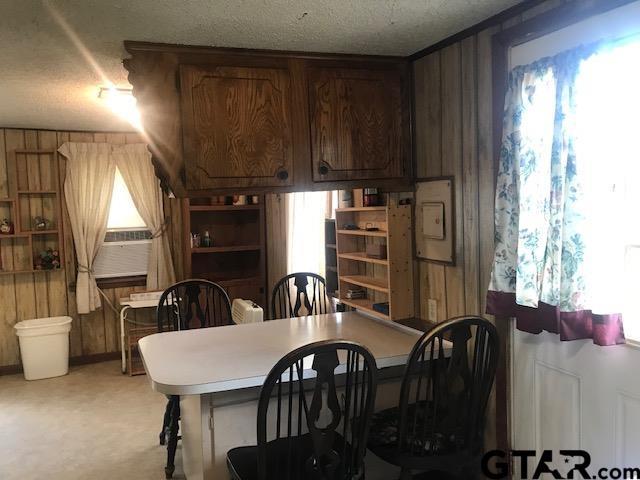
[(94, 423)]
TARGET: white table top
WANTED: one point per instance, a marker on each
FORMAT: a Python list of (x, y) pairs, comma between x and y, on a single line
[(240, 356)]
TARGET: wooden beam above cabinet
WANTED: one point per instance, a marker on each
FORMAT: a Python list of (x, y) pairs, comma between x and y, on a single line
[(236, 121)]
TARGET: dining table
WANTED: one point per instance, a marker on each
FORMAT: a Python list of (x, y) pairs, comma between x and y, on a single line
[(218, 373)]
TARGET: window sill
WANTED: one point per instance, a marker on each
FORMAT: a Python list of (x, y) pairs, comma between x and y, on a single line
[(121, 282)]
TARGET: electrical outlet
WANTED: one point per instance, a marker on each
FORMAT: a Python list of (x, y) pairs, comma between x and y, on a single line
[(432, 305)]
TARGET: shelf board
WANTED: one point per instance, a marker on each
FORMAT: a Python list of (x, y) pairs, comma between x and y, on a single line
[(364, 233), (7, 200), (14, 235), (222, 208), (365, 305), (231, 248), (37, 192), (361, 209), (232, 282), (14, 272), (367, 282), (40, 232), (362, 257), (24, 151)]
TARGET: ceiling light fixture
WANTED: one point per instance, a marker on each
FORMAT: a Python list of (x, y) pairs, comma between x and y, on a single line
[(121, 102)]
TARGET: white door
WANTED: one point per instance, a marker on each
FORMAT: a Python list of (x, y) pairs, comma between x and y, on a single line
[(576, 395)]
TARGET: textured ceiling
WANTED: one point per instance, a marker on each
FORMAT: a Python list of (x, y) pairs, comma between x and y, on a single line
[(55, 54)]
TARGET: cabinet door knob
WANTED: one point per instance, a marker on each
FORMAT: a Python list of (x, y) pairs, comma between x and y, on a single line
[(282, 175), (323, 169)]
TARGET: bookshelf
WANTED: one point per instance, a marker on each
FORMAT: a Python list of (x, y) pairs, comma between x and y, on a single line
[(384, 278), (34, 191), (236, 257)]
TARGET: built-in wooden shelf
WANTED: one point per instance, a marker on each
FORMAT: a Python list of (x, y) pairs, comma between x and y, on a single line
[(236, 259), (373, 283), (365, 305), (222, 208), (30, 197), (364, 233), (229, 248), (385, 280), (362, 257)]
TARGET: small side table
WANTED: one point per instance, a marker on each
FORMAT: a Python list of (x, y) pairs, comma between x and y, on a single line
[(126, 304)]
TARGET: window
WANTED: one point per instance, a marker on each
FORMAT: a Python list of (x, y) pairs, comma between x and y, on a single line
[(608, 100), (123, 214), (125, 251)]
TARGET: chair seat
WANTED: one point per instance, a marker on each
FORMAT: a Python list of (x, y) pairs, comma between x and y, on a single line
[(243, 461), (383, 436)]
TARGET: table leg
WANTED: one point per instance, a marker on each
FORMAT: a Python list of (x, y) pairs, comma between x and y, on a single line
[(123, 317)]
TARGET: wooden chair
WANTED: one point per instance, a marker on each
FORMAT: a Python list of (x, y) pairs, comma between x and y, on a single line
[(322, 437), (439, 422), (183, 306), (297, 290)]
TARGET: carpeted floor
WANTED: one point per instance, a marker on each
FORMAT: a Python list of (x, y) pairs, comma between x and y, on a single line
[(94, 423)]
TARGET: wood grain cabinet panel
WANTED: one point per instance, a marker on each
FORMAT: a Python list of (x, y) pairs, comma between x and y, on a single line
[(356, 124), (236, 124)]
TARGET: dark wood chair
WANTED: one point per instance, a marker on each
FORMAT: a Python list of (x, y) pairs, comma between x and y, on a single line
[(322, 437), (298, 290), (439, 422), (183, 306)]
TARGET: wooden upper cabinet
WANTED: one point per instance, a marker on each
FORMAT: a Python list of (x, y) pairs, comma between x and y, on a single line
[(236, 126), (356, 124), (221, 121)]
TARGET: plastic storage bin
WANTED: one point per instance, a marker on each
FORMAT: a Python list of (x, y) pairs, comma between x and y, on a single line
[(44, 346)]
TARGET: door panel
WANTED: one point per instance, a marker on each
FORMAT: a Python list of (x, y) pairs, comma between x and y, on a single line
[(575, 395), (236, 127), (356, 124)]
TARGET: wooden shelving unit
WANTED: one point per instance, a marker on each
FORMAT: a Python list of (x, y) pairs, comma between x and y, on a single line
[(330, 257), (384, 280), (236, 259), (31, 194)]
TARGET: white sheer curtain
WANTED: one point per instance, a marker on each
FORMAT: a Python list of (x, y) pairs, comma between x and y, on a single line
[(305, 245), (87, 189), (134, 163)]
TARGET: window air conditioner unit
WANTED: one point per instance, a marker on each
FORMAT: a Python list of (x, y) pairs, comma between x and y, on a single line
[(122, 259)]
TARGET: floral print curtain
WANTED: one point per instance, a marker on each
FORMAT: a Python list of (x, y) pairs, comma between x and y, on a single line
[(543, 273)]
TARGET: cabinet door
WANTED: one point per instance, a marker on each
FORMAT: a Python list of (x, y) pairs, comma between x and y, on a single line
[(356, 124), (236, 127)]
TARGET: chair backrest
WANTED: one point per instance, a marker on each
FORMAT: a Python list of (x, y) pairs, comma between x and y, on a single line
[(443, 397), (191, 304), (297, 290), (300, 434)]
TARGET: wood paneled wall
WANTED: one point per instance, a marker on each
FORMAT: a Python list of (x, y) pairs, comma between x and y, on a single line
[(33, 295), (454, 136)]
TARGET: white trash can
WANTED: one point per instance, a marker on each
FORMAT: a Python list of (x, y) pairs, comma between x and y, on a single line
[(44, 346)]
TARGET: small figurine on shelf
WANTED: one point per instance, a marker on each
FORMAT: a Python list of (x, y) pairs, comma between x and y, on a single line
[(41, 223), (48, 260), (6, 227)]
